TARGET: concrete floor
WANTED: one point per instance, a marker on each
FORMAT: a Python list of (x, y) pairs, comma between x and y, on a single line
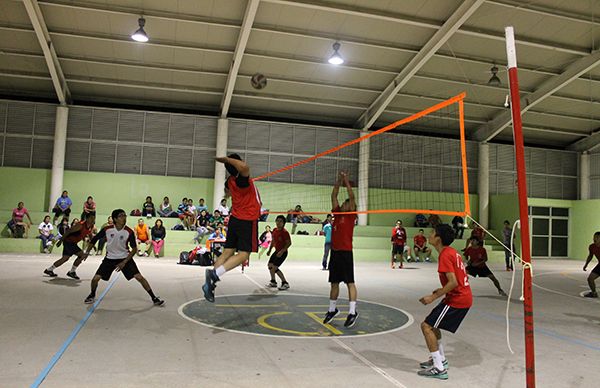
[(128, 342)]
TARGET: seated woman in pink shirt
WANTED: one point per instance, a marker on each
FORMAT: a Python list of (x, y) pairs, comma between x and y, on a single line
[(18, 215)]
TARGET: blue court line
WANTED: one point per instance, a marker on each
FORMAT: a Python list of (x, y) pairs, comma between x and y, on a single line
[(74, 333)]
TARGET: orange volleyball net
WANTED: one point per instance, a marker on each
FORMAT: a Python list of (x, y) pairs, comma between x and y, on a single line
[(392, 169)]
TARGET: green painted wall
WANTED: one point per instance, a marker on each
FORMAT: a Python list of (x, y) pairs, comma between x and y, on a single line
[(110, 191), (585, 221)]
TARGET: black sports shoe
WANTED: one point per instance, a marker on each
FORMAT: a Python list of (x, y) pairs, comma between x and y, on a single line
[(89, 300), (209, 286), (351, 320), (157, 301), (72, 275), (50, 273), (330, 315)]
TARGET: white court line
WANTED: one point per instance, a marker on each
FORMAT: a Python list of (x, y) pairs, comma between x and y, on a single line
[(368, 363), (262, 288)]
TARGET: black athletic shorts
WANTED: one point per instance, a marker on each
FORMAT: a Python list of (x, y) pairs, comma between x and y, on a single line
[(596, 269), (482, 272), (446, 317), (397, 249), (277, 261), (341, 267), (242, 235), (70, 248), (108, 266)]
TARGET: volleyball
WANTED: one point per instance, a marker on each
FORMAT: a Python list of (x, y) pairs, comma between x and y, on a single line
[(258, 81)]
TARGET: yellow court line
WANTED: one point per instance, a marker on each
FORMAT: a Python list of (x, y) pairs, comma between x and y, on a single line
[(262, 320), (326, 325)]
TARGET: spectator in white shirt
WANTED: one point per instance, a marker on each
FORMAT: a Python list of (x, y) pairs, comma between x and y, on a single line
[(223, 209), (46, 235)]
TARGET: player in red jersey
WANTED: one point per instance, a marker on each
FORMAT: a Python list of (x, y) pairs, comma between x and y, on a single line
[(72, 236), (398, 241), (421, 246), (281, 241), (594, 250), (476, 257), (242, 229), (341, 264), (449, 314)]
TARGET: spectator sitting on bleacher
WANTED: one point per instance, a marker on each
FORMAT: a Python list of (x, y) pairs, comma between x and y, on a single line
[(89, 208), (148, 208), (421, 221), (187, 218), (434, 220), (18, 227), (223, 209), (216, 242), (203, 227), (215, 219), (62, 227), (201, 206), (142, 236), (165, 209), (458, 224), (158, 234), (46, 234), (63, 206)]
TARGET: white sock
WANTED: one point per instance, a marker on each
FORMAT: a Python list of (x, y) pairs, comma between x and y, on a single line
[(437, 360), (51, 268), (332, 304), (441, 350), (73, 268), (220, 271), (352, 308)]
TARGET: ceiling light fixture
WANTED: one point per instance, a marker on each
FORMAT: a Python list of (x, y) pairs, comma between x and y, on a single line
[(336, 58), (140, 35), (494, 80)]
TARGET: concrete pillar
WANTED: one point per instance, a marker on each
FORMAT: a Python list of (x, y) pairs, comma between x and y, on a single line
[(483, 184), (363, 179), (219, 189), (584, 175), (58, 154)]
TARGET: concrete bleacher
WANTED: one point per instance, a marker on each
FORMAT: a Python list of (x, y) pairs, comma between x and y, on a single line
[(371, 243)]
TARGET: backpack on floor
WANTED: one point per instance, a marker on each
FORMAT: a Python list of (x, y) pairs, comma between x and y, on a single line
[(205, 259), (184, 258)]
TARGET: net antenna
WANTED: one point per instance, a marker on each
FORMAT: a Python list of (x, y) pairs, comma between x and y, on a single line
[(515, 105)]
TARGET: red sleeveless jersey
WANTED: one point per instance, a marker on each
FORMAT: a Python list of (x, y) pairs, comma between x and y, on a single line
[(80, 235), (245, 201), (342, 231)]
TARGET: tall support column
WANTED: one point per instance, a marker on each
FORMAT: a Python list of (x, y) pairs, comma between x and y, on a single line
[(483, 184), (58, 154), (584, 175), (363, 178), (219, 190)]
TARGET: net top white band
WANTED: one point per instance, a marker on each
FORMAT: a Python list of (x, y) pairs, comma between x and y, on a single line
[(511, 53)]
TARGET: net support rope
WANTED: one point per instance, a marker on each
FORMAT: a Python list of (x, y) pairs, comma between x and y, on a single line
[(513, 256)]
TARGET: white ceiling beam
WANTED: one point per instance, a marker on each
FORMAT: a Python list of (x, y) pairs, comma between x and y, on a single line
[(546, 11), (414, 21), (240, 47), (462, 13), (547, 88), (41, 31), (588, 144)]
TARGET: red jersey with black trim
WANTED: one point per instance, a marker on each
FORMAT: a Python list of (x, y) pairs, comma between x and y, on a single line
[(594, 250), (399, 235), (420, 240), (451, 261), (280, 238), (476, 255), (80, 235), (245, 201), (342, 230)]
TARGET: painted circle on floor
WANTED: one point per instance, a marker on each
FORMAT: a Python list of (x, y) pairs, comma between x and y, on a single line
[(292, 315)]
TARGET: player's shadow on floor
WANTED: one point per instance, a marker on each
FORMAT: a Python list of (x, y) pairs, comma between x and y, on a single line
[(63, 282), (592, 319)]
